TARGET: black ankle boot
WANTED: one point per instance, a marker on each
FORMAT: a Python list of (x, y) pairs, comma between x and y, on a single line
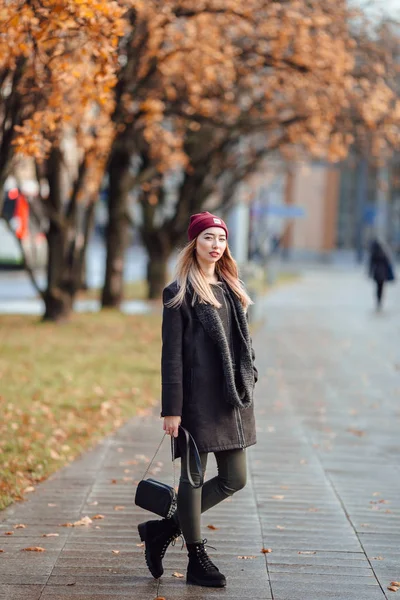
[(157, 536), (201, 570)]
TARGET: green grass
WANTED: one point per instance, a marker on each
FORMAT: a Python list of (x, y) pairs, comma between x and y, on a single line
[(63, 387), (11, 261), (135, 290)]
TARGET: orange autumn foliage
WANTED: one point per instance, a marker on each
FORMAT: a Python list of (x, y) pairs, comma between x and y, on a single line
[(300, 71), (291, 67), (58, 61)]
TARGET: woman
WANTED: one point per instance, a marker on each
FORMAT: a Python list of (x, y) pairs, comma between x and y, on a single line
[(380, 269), (208, 377)]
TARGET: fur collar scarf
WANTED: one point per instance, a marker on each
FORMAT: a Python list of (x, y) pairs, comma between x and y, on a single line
[(239, 385)]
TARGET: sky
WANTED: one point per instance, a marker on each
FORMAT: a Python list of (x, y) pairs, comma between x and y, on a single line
[(389, 7), (392, 6)]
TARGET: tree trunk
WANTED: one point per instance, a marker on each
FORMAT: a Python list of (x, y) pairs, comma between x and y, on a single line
[(63, 268), (159, 247), (157, 270), (58, 303), (87, 230), (161, 240), (12, 116), (117, 229)]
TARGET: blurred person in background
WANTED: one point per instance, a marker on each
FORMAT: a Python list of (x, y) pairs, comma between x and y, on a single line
[(380, 268)]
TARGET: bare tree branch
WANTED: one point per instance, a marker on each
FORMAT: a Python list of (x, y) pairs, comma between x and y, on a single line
[(25, 262)]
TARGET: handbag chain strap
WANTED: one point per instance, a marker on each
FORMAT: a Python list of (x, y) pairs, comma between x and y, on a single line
[(155, 454), (173, 463), (188, 439)]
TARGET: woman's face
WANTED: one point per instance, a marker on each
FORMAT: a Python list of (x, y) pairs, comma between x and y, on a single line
[(211, 244)]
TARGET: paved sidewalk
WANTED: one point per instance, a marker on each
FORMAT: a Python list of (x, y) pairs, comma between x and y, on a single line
[(324, 486)]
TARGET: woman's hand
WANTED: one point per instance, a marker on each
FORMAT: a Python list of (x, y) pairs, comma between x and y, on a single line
[(171, 425)]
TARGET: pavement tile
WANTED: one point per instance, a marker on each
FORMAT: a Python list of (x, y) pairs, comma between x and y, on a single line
[(322, 579), (338, 571), (319, 591), (20, 592)]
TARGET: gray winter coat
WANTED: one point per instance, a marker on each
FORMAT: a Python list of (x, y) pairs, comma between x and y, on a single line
[(200, 381)]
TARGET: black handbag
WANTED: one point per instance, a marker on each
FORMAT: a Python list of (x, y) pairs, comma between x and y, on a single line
[(158, 497)]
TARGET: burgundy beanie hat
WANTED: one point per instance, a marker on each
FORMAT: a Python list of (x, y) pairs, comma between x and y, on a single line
[(202, 221)]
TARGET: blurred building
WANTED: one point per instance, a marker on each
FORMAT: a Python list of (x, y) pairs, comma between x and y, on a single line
[(317, 211), (315, 188), (345, 206)]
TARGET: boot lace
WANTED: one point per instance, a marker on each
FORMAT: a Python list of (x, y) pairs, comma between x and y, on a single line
[(203, 557), (171, 540)]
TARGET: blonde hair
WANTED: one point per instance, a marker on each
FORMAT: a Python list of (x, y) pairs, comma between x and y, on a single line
[(188, 271)]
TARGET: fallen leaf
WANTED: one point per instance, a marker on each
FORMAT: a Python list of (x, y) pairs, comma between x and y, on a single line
[(114, 480), (395, 583), (247, 557), (98, 517), (1, 550), (159, 598), (50, 535), (82, 522), (97, 527), (119, 507), (280, 527), (115, 551), (212, 527), (377, 558), (266, 550), (29, 489), (178, 575), (51, 505), (142, 458), (69, 584), (9, 533), (393, 588), (95, 503), (34, 549), (278, 497), (20, 526), (357, 432), (140, 545), (306, 552), (66, 525)]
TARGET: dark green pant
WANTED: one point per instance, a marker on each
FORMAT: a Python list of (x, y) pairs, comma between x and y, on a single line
[(192, 502)]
